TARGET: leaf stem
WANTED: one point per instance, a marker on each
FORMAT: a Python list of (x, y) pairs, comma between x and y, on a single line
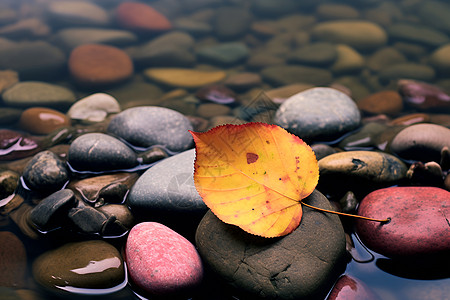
[(347, 215)]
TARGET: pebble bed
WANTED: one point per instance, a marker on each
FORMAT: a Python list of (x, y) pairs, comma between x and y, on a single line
[(97, 198)]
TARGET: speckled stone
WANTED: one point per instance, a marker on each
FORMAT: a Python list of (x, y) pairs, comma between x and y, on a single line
[(147, 126), (100, 152), (46, 172), (421, 208), (9, 180), (318, 113), (80, 265), (161, 261)]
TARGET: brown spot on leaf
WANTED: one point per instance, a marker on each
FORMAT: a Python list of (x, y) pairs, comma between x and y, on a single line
[(251, 157)]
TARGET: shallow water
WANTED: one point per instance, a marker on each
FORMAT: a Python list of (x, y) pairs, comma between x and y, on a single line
[(272, 27)]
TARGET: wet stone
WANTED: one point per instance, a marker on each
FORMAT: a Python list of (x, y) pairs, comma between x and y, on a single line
[(98, 265), (15, 145), (407, 70), (216, 93), (156, 270), (421, 142), (51, 212), (226, 54), (39, 120), (231, 23), (141, 18), (87, 219), (290, 74), (147, 126), (366, 138), (384, 102), (417, 34), (322, 150), (318, 54), (351, 288), (9, 180), (75, 13), (318, 113), (167, 189), (36, 93), (153, 155), (301, 265), (100, 152), (423, 96), (7, 79), (120, 211), (184, 78), (421, 208), (13, 261), (46, 172)]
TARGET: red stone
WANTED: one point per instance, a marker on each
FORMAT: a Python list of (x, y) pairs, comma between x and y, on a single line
[(349, 288), (419, 221), (99, 65), (141, 17), (161, 261)]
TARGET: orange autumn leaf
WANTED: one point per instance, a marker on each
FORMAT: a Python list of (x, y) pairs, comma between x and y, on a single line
[(255, 176)]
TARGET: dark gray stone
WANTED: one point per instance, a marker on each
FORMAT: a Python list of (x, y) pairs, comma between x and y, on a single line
[(100, 152), (33, 60), (46, 172), (318, 113), (167, 188), (52, 210), (87, 219), (301, 265), (147, 126), (419, 34), (415, 71), (226, 54)]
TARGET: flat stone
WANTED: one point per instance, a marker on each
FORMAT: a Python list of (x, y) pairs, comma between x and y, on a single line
[(147, 126), (291, 74), (185, 78), (243, 81), (361, 35), (74, 267), (26, 28), (77, 13), (100, 152), (140, 17), (407, 70), (192, 26), (40, 120), (13, 261), (51, 212), (37, 60), (348, 60), (7, 79), (421, 142), (383, 102), (94, 108), (435, 14), (168, 189), (209, 110), (161, 261), (419, 34), (46, 172), (99, 65), (301, 265), (318, 113), (331, 11), (86, 219), (35, 93), (16, 145), (173, 49), (315, 54), (70, 38), (225, 54), (421, 208), (384, 58)]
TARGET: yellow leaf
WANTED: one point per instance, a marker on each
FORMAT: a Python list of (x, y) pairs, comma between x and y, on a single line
[(255, 176)]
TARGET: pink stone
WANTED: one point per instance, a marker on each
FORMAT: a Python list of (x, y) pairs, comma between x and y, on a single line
[(161, 261), (419, 221)]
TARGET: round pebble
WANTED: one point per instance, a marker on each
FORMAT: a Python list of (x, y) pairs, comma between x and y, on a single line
[(318, 113), (99, 65), (13, 260), (40, 120), (93, 108), (421, 208), (160, 261), (384, 102)]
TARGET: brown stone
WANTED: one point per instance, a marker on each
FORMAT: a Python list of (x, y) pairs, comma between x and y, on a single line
[(141, 17), (384, 102), (13, 260), (40, 120), (99, 65)]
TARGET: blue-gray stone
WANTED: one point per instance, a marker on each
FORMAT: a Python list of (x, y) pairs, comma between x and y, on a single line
[(167, 187), (318, 114), (100, 152), (147, 126), (226, 54)]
